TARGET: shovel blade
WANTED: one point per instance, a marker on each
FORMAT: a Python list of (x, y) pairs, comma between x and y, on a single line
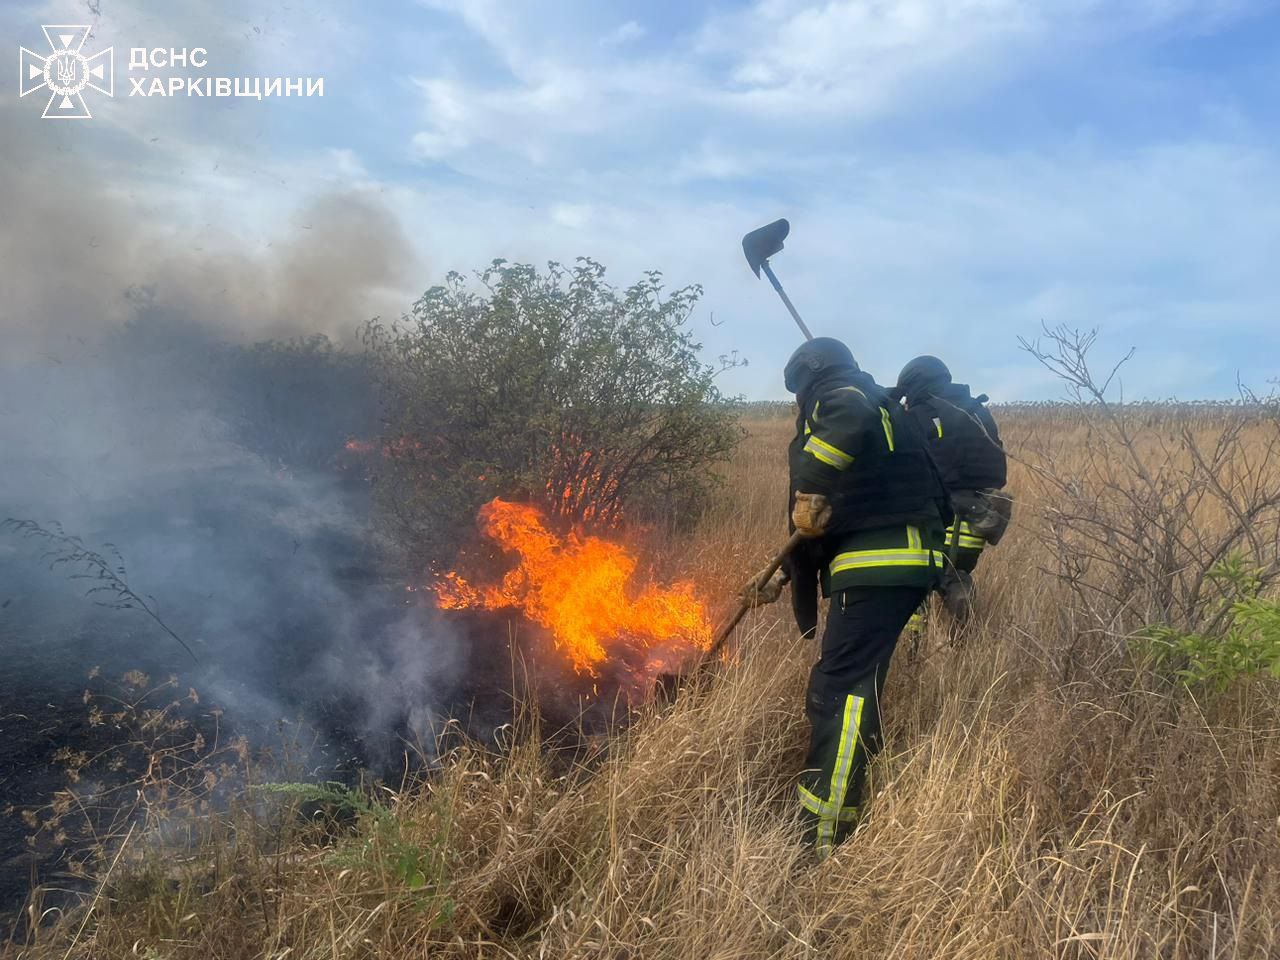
[(761, 244)]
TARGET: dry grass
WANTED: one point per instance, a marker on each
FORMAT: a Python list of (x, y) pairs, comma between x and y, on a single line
[(1016, 813)]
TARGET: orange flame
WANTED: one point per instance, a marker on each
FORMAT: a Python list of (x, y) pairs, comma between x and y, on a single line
[(576, 587)]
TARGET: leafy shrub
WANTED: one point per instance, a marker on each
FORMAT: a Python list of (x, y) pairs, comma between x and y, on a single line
[(552, 387), (1245, 643)]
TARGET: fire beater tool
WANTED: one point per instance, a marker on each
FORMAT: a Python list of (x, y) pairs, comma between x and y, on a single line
[(758, 246), (761, 244)]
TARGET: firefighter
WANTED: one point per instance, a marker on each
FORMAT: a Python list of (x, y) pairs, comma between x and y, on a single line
[(870, 504), (965, 445)]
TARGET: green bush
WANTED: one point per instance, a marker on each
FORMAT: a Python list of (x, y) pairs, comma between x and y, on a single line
[(550, 387), (1242, 639)]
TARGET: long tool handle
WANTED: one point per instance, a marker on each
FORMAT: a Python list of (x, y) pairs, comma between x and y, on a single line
[(953, 548), (795, 314), (727, 628)]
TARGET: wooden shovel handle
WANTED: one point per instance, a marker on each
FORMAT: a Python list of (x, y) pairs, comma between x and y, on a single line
[(727, 628)]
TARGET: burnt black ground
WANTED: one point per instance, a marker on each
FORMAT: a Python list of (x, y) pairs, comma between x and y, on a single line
[(277, 585), (494, 661)]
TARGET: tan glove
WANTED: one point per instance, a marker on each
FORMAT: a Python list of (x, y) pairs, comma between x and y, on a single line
[(768, 593), (811, 514)]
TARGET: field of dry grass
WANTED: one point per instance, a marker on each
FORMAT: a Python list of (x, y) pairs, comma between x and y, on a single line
[(1027, 804)]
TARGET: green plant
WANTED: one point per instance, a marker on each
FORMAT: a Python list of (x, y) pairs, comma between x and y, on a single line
[(337, 797), (382, 844), (551, 387), (1243, 640)]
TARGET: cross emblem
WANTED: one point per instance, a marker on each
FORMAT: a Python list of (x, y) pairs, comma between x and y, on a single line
[(67, 72)]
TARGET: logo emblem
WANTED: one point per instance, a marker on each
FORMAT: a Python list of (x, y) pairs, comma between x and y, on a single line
[(67, 72)]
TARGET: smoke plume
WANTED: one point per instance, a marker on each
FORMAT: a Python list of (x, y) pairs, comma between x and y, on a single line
[(134, 412)]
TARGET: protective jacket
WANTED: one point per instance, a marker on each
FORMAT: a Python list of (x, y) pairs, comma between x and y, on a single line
[(965, 444), (963, 437), (856, 446)]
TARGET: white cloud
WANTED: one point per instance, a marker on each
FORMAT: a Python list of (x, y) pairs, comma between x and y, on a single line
[(853, 55), (573, 216), (798, 64)]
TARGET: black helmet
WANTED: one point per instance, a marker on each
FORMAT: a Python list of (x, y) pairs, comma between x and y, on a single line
[(923, 375), (813, 358)]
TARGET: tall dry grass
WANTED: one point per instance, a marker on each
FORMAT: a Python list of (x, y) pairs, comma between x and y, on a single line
[(1018, 810)]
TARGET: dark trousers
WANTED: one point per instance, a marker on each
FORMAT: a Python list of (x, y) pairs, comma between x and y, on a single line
[(843, 704)]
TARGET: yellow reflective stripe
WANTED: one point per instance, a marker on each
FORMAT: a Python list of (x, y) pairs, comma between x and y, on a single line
[(849, 727), (937, 425), (823, 456), (968, 539), (855, 390), (888, 428), (812, 419), (859, 559), (827, 453), (913, 538), (821, 808), (811, 802)]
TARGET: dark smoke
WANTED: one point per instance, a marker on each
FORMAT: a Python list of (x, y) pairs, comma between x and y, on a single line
[(135, 411), (79, 232)]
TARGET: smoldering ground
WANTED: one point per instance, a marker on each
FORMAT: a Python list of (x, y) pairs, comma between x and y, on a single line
[(135, 413), (165, 398)]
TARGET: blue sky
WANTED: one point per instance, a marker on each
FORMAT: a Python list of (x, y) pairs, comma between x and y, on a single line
[(955, 171)]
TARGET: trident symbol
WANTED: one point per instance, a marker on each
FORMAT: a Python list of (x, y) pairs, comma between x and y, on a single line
[(66, 71)]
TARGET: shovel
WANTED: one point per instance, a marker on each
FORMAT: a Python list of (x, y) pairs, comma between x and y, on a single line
[(761, 244), (758, 246)]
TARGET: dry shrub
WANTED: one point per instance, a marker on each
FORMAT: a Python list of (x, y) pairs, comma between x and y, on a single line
[(1140, 509)]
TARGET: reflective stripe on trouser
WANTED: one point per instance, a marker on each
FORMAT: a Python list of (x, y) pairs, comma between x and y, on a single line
[(830, 809), (842, 703)]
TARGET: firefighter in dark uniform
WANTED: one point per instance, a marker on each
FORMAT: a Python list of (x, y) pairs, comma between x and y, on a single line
[(965, 445), (870, 503)]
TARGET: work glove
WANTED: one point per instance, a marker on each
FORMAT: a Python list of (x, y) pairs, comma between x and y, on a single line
[(768, 593), (811, 514)]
